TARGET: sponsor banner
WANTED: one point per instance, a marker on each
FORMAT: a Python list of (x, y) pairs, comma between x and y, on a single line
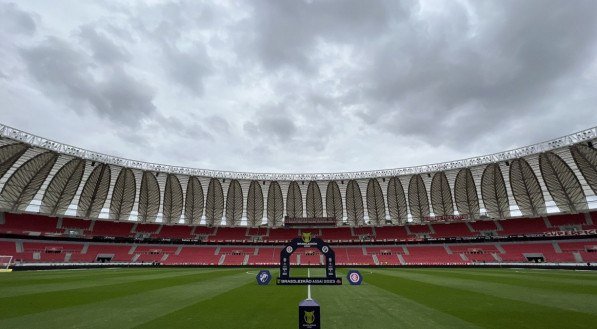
[(445, 219), (301, 281), (315, 221), (569, 233)]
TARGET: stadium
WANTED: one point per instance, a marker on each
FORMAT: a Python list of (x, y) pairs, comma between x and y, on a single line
[(65, 207), (311, 164)]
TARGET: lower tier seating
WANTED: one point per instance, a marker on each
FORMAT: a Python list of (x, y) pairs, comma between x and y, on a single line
[(41, 251)]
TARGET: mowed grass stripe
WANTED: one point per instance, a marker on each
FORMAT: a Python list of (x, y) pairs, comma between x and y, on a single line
[(251, 306), (368, 306), (28, 278), (561, 276), (27, 304), (481, 309), (130, 310), (232, 299), (571, 301), (530, 281), (97, 279), (248, 306)]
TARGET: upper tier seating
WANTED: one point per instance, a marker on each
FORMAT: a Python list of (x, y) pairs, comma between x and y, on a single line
[(360, 231), (567, 220), (282, 234), (26, 224), (452, 230), (523, 226), (147, 228), (390, 233), (74, 223), (227, 234), (204, 230), (112, 229), (174, 232), (257, 231), (483, 225), (419, 229), (337, 234)]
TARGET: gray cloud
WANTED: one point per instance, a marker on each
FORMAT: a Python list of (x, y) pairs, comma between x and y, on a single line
[(15, 20), (104, 49), (277, 127), (471, 72), (286, 33), (68, 72), (177, 28), (188, 68), (305, 86)]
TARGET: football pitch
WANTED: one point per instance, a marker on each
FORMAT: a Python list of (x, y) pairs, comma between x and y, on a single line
[(231, 298)]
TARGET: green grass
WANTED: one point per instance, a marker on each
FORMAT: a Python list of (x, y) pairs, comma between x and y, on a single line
[(230, 298)]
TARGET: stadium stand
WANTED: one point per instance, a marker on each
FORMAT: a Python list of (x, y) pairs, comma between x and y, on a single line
[(432, 255), (391, 233), (174, 232), (194, 255), (75, 224), (339, 234), (452, 230), (567, 220), (28, 224), (265, 256), (33, 225), (281, 234), (483, 226), (523, 226), (112, 229), (407, 254), (439, 223), (40, 239)]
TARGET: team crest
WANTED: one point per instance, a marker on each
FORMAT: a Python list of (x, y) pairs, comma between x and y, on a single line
[(354, 278), (306, 237), (309, 317), (263, 277)]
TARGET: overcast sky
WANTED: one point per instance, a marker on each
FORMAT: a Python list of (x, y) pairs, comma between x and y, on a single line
[(293, 86)]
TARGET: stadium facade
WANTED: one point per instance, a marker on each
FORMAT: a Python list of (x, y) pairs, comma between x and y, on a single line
[(43, 176)]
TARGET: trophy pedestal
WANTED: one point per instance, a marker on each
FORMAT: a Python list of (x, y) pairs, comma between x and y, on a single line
[(309, 315)]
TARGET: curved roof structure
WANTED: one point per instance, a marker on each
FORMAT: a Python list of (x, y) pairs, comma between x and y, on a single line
[(40, 175)]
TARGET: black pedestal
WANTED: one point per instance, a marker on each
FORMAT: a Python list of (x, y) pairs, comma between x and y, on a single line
[(309, 316)]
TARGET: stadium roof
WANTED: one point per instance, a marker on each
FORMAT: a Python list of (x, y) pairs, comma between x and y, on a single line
[(45, 176), (581, 136)]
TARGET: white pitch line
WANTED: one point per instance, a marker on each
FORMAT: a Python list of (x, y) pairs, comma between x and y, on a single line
[(308, 286)]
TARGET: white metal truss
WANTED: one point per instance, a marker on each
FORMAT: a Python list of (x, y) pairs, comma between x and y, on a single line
[(19, 135)]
